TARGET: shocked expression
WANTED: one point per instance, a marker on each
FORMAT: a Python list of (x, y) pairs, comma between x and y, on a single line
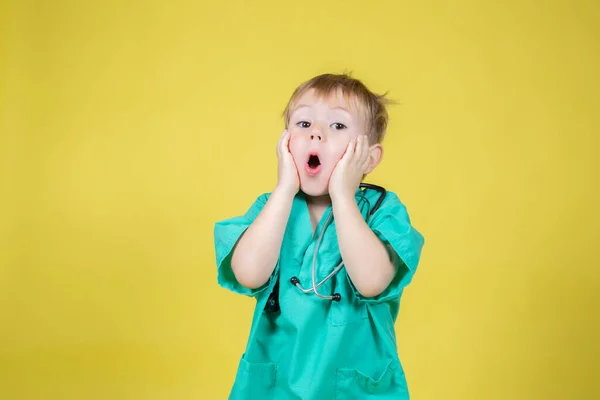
[(320, 128)]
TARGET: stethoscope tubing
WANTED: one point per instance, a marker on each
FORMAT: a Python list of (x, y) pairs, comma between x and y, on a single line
[(336, 296)]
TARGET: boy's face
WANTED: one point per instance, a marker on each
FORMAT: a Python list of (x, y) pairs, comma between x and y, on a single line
[(320, 130)]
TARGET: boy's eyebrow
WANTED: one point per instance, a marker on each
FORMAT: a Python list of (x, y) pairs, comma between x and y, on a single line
[(299, 106), (341, 108)]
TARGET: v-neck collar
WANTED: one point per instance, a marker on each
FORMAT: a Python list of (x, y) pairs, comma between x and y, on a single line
[(305, 212), (306, 215)]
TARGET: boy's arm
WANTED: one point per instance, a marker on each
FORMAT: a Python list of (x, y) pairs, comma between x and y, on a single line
[(360, 247), (256, 253)]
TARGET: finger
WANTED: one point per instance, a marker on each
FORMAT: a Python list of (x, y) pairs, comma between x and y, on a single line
[(359, 150), (287, 140), (282, 142), (364, 156), (347, 153), (350, 149), (279, 142), (286, 144), (366, 163)]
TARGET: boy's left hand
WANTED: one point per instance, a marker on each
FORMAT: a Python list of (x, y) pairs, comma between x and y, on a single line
[(351, 168)]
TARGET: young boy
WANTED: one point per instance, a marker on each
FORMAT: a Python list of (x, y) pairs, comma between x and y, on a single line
[(326, 257)]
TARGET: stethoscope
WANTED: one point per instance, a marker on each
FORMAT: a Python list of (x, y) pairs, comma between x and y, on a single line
[(273, 303)]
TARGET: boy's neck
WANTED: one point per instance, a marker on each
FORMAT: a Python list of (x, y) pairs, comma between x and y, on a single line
[(316, 208), (318, 201)]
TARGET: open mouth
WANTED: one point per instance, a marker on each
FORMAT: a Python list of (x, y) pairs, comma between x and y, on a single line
[(313, 165)]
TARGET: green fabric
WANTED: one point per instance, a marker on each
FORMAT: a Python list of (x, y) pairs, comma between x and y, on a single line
[(315, 348)]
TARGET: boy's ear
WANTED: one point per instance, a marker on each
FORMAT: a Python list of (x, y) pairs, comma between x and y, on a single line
[(375, 156)]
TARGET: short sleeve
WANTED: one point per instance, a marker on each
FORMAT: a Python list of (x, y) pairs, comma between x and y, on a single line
[(392, 226), (226, 235)]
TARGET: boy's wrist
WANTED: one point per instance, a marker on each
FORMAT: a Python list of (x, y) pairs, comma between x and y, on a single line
[(285, 193), (342, 198), (343, 202)]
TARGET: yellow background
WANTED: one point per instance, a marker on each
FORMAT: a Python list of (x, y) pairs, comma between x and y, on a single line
[(121, 125)]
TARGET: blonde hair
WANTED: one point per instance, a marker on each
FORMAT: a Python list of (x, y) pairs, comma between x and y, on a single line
[(373, 105)]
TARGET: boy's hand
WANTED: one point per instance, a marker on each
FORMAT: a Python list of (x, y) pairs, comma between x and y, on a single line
[(350, 170), (288, 180)]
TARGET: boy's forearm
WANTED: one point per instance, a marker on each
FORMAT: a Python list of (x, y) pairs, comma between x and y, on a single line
[(256, 253), (365, 257)]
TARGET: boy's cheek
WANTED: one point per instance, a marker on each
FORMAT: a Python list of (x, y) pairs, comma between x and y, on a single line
[(340, 148), (295, 143), (295, 150)]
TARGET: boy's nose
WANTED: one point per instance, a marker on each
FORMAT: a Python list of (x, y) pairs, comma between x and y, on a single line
[(316, 132)]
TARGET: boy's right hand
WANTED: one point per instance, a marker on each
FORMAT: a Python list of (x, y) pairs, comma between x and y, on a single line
[(287, 180)]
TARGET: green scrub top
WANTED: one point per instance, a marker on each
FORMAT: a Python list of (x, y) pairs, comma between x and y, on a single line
[(313, 348)]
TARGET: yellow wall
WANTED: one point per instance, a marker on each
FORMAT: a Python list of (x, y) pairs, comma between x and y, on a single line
[(120, 125)]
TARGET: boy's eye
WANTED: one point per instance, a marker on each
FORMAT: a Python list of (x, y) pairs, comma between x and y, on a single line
[(303, 124), (338, 126)]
